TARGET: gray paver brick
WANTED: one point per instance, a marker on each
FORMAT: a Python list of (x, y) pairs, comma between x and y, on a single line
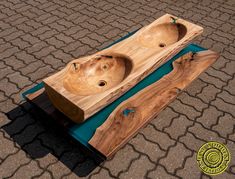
[(7, 146), (5, 71), (80, 34), (18, 79), (31, 67), (36, 47), (159, 137), (210, 79), (58, 169), (26, 57), (72, 46), (102, 174), (186, 110), (226, 107), (47, 160), (90, 42), (177, 124), (149, 148), (164, 118), (38, 38), (44, 175), (220, 63), (33, 23), (12, 163), (7, 104), (8, 87), (44, 51), (192, 101), (9, 52), (160, 173), (231, 87), (3, 118), (63, 56), (54, 62), (40, 30), (205, 134), (225, 125), (137, 169), (121, 160), (32, 170), (191, 141), (47, 34), (57, 43), (41, 73), (227, 97), (208, 93), (209, 117), (20, 43), (190, 165), (175, 157), (64, 38)]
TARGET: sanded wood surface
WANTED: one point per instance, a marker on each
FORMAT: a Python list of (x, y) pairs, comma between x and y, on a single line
[(88, 84), (134, 113)]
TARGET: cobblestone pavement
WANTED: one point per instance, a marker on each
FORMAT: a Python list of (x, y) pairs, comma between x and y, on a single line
[(38, 37)]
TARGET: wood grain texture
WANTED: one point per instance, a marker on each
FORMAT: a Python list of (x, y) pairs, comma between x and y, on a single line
[(134, 113), (88, 84)]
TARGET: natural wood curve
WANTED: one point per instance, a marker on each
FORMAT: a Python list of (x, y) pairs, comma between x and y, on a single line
[(163, 35), (134, 113), (88, 84), (96, 75)]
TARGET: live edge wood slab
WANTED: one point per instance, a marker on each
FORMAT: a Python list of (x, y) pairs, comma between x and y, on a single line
[(133, 114), (88, 84), (126, 118)]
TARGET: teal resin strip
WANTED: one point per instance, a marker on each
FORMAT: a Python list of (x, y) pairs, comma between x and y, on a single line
[(32, 90), (83, 132)]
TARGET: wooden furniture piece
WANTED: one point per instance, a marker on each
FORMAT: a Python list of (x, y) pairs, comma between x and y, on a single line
[(133, 114), (88, 84), (112, 127)]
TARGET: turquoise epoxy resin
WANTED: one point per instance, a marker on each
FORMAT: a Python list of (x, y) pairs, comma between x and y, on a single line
[(83, 132)]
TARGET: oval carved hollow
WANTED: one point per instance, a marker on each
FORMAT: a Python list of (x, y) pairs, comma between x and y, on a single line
[(162, 35), (97, 75), (92, 82)]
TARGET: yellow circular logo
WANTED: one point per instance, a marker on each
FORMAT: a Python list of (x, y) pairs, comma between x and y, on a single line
[(213, 158)]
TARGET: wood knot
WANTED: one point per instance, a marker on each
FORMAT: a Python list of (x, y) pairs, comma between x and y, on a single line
[(75, 66)]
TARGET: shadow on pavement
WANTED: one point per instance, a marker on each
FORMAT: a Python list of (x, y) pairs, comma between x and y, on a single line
[(38, 135)]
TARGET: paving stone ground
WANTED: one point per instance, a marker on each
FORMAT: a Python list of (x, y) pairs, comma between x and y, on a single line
[(38, 37)]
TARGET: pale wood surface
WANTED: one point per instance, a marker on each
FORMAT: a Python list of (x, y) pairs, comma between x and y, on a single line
[(134, 113), (88, 84)]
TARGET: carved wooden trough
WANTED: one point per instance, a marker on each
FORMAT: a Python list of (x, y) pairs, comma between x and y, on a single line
[(90, 83), (113, 93)]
